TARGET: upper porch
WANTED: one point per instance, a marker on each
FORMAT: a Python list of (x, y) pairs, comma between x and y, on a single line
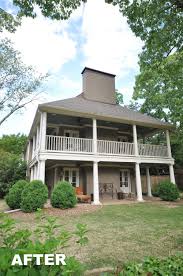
[(69, 136)]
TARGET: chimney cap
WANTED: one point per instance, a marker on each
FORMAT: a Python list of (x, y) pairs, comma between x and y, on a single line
[(97, 71)]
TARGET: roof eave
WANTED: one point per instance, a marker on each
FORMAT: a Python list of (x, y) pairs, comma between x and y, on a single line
[(66, 111)]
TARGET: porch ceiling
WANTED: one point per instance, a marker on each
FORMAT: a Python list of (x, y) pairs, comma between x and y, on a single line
[(58, 119)]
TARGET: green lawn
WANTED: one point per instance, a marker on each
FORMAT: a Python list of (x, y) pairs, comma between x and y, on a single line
[(3, 205), (120, 233)]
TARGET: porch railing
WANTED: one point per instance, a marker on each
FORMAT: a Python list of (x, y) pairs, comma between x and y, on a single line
[(71, 144), (84, 145), (115, 148), (152, 150)]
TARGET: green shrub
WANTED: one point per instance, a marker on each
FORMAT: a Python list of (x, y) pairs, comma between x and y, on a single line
[(13, 198), (63, 196), (34, 196), (168, 191), (172, 265)]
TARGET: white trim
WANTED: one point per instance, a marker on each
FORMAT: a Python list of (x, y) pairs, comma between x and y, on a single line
[(63, 125), (73, 156), (104, 127)]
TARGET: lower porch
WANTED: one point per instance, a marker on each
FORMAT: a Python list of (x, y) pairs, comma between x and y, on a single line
[(105, 181)]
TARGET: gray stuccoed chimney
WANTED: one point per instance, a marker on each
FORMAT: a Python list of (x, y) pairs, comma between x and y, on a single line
[(98, 86)]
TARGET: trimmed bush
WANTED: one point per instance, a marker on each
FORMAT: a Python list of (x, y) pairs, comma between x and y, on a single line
[(13, 198), (34, 196), (63, 196), (168, 191)]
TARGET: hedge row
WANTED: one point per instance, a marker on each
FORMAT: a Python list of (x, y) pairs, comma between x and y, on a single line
[(30, 196)]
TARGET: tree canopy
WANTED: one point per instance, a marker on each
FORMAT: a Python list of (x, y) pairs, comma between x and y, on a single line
[(14, 144), (12, 166), (19, 83)]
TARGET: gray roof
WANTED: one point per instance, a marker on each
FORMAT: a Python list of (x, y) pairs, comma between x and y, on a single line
[(115, 112)]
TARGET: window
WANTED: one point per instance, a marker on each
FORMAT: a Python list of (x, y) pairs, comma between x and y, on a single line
[(72, 176), (124, 178)]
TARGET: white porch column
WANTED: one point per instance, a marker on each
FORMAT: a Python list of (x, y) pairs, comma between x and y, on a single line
[(31, 173), (33, 146), (138, 182), (172, 176), (168, 144), (42, 170), (38, 137), (148, 179), (35, 171), (96, 200), (95, 136), (43, 122), (135, 140)]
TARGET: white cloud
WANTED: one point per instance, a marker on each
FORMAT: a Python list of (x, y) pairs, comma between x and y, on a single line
[(44, 43), (105, 40), (109, 45)]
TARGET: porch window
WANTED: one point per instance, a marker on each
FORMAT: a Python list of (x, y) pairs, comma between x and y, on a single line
[(71, 175), (124, 178)]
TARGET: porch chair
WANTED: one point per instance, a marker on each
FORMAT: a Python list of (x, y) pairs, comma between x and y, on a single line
[(81, 197)]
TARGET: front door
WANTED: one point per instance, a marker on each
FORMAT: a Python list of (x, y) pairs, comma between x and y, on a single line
[(71, 175), (125, 181)]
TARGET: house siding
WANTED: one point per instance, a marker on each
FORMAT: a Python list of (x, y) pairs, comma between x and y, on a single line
[(106, 175)]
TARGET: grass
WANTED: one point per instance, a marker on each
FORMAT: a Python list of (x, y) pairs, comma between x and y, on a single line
[(3, 205), (122, 233)]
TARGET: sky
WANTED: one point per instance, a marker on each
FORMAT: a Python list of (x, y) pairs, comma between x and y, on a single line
[(96, 35)]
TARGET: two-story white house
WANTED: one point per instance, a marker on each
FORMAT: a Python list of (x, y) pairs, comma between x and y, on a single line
[(90, 140)]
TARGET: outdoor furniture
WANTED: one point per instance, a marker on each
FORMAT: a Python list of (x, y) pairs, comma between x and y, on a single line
[(122, 195), (106, 188), (81, 197)]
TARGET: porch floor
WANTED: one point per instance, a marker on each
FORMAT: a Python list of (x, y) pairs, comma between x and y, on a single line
[(114, 201)]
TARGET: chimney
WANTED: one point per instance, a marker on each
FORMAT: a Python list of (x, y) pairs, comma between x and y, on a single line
[(98, 86)]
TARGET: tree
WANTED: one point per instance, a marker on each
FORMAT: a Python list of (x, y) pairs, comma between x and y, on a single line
[(119, 98), (14, 144), (19, 83), (12, 169)]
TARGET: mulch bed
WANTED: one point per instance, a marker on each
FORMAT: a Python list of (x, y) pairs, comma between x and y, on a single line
[(48, 210)]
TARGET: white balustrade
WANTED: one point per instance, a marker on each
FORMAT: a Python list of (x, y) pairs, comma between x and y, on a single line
[(152, 150), (83, 145), (71, 144), (115, 148)]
